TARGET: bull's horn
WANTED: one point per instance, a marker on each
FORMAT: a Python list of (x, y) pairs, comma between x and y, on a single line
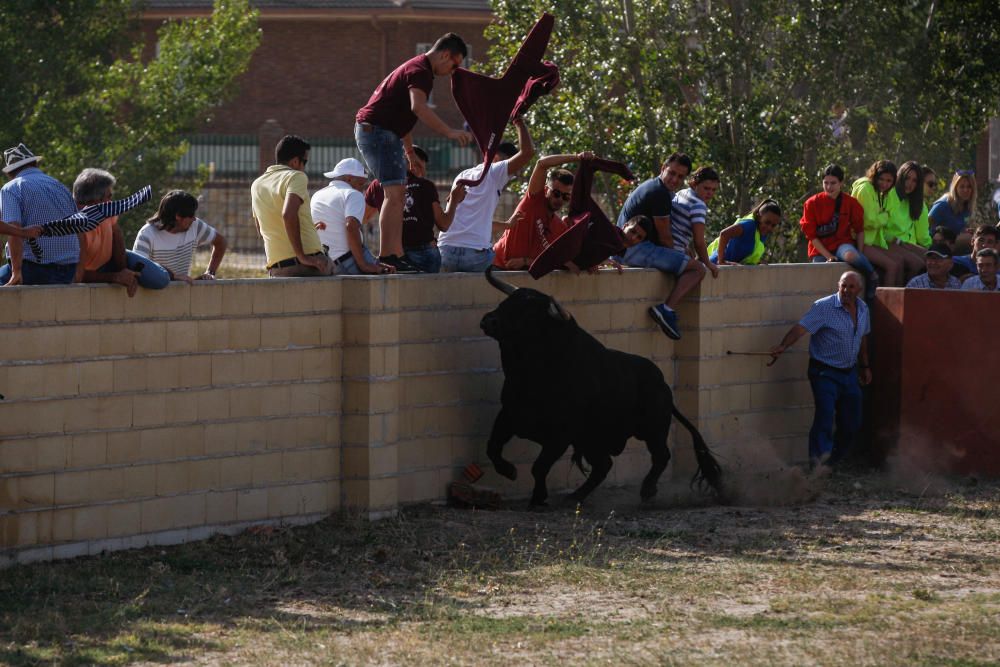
[(504, 287), (556, 311)]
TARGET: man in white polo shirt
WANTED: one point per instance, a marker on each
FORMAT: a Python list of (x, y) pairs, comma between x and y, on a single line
[(467, 245), (337, 211)]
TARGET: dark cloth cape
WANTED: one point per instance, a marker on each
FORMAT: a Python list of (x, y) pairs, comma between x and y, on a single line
[(591, 238), (488, 104)]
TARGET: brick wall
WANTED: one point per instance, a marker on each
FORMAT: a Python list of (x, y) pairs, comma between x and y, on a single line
[(207, 408), (311, 74)]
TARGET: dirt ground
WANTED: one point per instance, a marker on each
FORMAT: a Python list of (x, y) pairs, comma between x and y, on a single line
[(863, 568)]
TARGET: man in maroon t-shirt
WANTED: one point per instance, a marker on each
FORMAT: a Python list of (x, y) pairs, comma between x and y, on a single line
[(383, 128), (422, 212)]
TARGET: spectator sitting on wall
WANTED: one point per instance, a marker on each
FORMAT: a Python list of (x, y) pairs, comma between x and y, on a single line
[(171, 236), (944, 235), (280, 201), (383, 132), (467, 245), (654, 199), (743, 241), (938, 276), (103, 257), (838, 347), (536, 221), (33, 198), (422, 212), (986, 280), (669, 260), (833, 222), (955, 208), (337, 211), (965, 265)]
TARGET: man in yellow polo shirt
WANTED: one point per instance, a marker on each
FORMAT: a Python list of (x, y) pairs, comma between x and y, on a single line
[(280, 200)]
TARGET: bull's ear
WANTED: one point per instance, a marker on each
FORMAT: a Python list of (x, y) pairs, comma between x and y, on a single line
[(556, 311)]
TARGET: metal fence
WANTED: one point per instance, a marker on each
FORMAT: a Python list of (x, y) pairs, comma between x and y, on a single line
[(237, 156)]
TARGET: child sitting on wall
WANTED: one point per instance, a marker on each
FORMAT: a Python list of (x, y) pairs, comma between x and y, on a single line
[(170, 237)]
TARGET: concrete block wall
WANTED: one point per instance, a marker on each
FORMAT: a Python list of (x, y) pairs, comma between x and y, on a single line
[(211, 407)]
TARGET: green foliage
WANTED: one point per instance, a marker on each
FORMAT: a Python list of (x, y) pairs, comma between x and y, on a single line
[(77, 89), (767, 91)]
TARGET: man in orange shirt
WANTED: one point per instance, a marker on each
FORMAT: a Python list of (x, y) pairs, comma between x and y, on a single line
[(536, 222), (103, 257)]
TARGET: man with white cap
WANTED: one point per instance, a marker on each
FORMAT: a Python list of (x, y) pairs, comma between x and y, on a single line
[(32, 198), (337, 212)]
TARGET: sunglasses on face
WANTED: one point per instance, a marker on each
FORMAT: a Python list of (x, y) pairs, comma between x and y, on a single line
[(561, 195), (930, 184)]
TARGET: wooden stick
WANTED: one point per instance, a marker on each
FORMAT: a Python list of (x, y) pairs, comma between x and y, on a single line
[(749, 354)]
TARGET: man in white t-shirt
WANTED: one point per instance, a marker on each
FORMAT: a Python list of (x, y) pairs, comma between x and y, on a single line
[(467, 245), (337, 211)]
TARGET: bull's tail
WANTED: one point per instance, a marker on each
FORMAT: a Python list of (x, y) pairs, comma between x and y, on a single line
[(709, 472), (577, 459)]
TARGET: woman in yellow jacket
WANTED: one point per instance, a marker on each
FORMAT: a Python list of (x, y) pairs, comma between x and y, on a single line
[(871, 190), (907, 233)]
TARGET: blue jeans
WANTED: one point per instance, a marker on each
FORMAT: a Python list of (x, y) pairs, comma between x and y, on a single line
[(427, 258), (648, 255), (383, 153), (837, 396), (861, 263), (465, 260), (151, 276), (349, 267), (41, 274)]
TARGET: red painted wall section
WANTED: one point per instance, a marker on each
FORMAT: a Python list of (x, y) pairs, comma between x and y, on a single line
[(936, 368)]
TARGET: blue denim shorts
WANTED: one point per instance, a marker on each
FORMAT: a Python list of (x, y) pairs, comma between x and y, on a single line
[(455, 259), (648, 255), (427, 257), (383, 153)]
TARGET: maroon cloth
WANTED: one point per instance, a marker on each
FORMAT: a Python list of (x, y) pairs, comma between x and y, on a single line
[(487, 103), (535, 88), (591, 238), (389, 106), (418, 209)]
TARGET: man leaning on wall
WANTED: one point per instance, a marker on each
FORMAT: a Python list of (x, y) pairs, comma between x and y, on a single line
[(838, 366), (280, 200)]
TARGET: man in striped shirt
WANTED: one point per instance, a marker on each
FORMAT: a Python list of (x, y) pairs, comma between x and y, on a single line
[(30, 199)]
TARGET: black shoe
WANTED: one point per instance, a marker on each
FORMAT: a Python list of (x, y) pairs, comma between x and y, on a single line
[(400, 263)]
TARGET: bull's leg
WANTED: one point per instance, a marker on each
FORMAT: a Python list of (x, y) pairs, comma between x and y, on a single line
[(660, 454), (600, 466), (551, 452), (502, 431)]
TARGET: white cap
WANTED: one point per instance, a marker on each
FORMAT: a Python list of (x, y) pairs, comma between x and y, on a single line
[(349, 166)]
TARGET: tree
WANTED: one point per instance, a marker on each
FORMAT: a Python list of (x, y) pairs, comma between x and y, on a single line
[(77, 90), (766, 91)]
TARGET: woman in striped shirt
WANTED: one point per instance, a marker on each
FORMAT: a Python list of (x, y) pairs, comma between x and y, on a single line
[(170, 237)]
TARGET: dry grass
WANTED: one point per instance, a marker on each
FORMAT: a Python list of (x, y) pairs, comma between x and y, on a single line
[(867, 574)]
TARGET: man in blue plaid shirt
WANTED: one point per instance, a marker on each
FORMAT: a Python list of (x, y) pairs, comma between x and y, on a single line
[(838, 364), (33, 198)]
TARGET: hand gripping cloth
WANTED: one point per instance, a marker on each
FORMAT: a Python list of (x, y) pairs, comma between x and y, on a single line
[(88, 217), (488, 104), (590, 238)]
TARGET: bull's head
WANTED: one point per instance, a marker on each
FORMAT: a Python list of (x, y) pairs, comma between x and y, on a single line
[(524, 310)]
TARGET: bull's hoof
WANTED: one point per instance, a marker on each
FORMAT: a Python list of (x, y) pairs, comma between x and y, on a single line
[(538, 506), (647, 494), (505, 469)]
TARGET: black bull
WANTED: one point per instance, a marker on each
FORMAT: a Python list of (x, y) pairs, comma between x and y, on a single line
[(562, 387)]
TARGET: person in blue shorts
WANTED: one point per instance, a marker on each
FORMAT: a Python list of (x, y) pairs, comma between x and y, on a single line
[(641, 252), (743, 241)]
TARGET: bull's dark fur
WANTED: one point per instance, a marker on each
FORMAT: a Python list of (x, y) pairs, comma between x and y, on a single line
[(562, 387)]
